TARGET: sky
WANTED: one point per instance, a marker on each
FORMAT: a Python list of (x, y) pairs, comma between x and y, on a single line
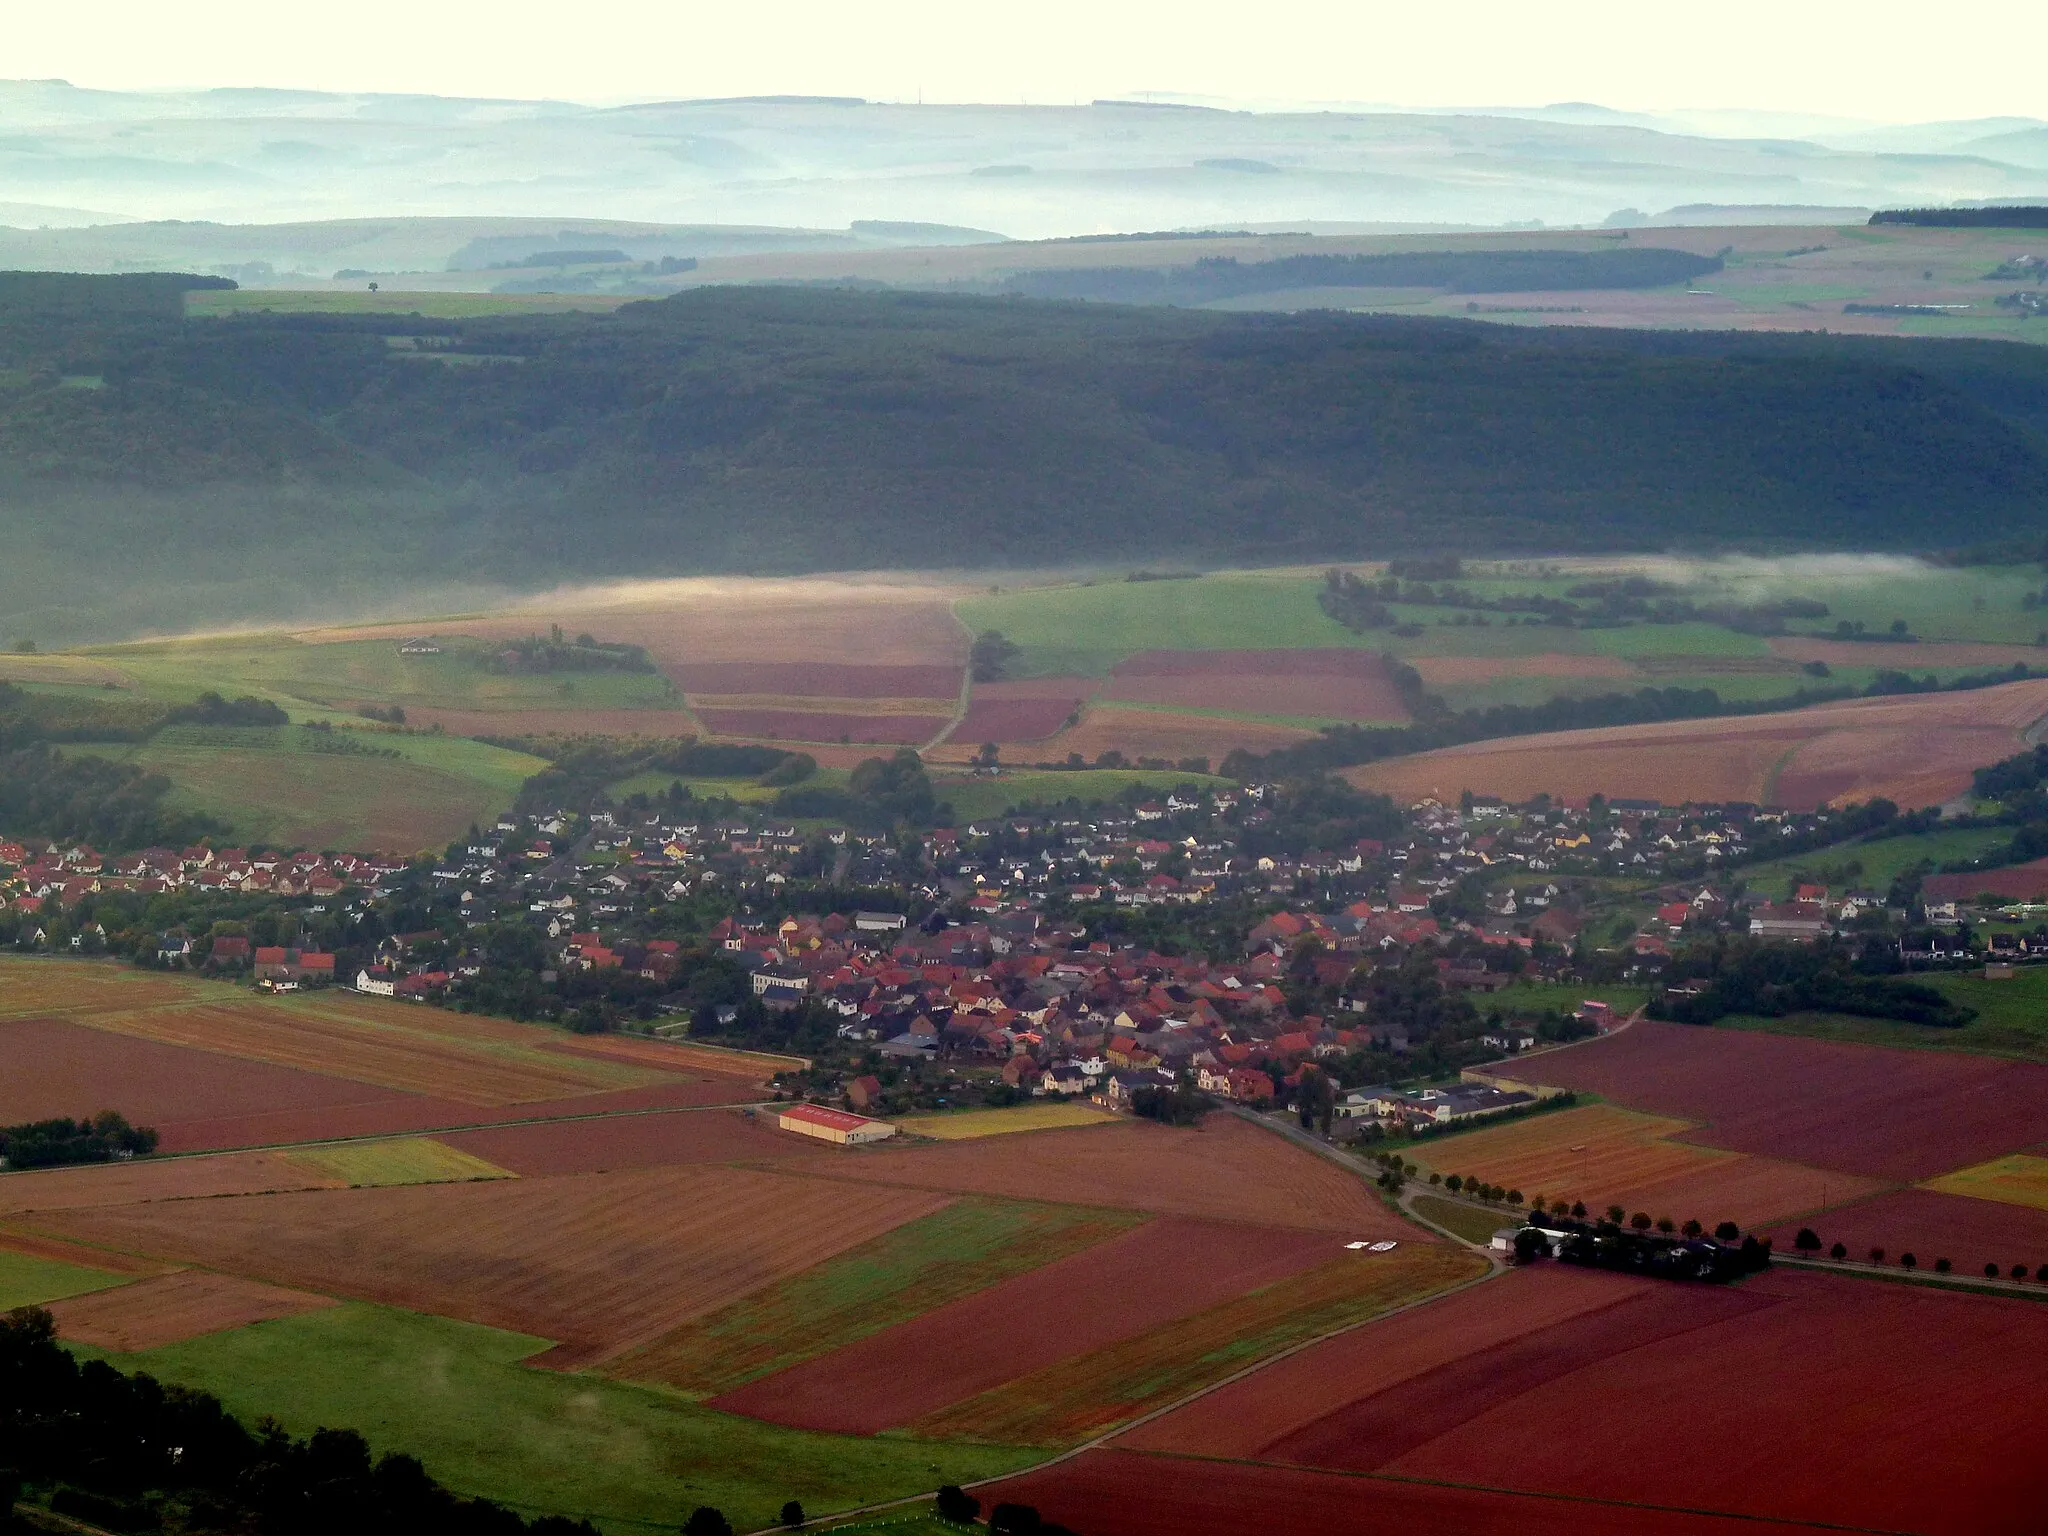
[(1808, 56)]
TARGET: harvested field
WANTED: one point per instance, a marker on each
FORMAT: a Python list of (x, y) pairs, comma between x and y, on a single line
[(953, 1253), (134, 1183), (1338, 684), (409, 1160), (1243, 1419), (1452, 671), (1895, 1115), (804, 725), (1852, 1391), (1111, 1293), (1124, 1493), (60, 986), (1225, 1165), (1917, 750), (967, 1124), (1160, 733), (2018, 1180), (1585, 1153), (598, 1264), (677, 1055), (409, 1050), (822, 679), (1930, 1226), (175, 1307), (1078, 1398), (1749, 1191), (58, 1067), (617, 1142), (557, 722)]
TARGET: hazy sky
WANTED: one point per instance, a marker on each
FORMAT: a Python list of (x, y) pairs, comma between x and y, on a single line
[(1822, 56)]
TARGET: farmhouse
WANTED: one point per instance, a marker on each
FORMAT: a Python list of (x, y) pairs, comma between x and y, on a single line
[(834, 1125)]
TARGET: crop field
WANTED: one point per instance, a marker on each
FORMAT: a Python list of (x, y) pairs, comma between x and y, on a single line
[(967, 1124), (155, 1179), (1930, 1225), (1143, 732), (168, 1309), (1893, 1115), (1156, 1276), (30, 1279), (1917, 750), (1473, 1223), (1225, 1166), (911, 1270), (408, 1160), (1081, 1397), (1030, 710), (975, 798), (598, 1264), (822, 679), (622, 1141), (1580, 1153), (1874, 863), (1560, 1384), (804, 725), (2015, 1180), (38, 986), (1332, 684), (460, 1397)]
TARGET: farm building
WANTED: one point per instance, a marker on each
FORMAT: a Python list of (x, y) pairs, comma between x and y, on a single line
[(834, 1125)]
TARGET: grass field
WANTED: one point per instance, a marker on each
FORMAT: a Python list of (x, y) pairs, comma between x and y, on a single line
[(965, 1124), (408, 1160), (435, 306), (1076, 1399), (2012, 1019), (1468, 1221), (1874, 864), (973, 799), (2016, 1180), (631, 1458), (1549, 995), (27, 1280), (964, 1248)]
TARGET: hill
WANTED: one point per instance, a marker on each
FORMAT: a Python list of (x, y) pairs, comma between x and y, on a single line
[(291, 463)]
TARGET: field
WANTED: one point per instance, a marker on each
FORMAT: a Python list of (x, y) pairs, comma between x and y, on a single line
[(974, 798), (1471, 1222), (1898, 1116), (967, 1124), (1336, 684), (1079, 1398), (169, 1309), (598, 1264), (1916, 750), (409, 1160), (2015, 1180), (435, 306), (2012, 1019), (1930, 1225), (1161, 1274), (1874, 863), (964, 1248), (1561, 1384), (1225, 1166), (1174, 735), (29, 1279), (622, 1141), (461, 1398)]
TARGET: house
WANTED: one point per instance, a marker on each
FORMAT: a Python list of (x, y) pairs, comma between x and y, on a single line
[(864, 1093), (376, 981), (228, 950), (781, 986)]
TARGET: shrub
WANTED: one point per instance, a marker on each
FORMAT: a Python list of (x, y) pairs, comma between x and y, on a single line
[(1808, 1240), (1907, 1261), (1877, 1255), (961, 1508), (706, 1521), (1942, 1266)]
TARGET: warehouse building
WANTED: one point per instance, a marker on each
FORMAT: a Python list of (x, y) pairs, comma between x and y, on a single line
[(834, 1125)]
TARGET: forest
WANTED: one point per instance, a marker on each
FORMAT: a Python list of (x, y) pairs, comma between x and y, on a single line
[(158, 470)]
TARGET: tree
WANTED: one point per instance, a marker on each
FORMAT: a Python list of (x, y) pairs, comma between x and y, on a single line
[(961, 1508), (1907, 1261), (1579, 1210), (1807, 1240), (1514, 1197), (1454, 1183), (706, 1521), (991, 656), (1692, 1229), (1640, 1221), (1839, 1252), (1877, 1255), (1727, 1232), (1666, 1225), (1990, 1271), (2019, 1271), (1617, 1214), (1942, 1266)]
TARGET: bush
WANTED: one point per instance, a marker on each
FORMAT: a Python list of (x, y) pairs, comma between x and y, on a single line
[(1808, 1241), (706, 1521), (1942, 1266), (961, 1508)]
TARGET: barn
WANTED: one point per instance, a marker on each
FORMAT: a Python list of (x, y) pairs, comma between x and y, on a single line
[(834, 1125)]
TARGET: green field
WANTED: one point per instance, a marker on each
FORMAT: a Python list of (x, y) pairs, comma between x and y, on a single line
[(407, 1160), (2012, 1019), (964, 1248), (435, 306), (1467, 1221), (1530, 996), (28, 1281), (977, 799), (1874, 864), (631, 1458)]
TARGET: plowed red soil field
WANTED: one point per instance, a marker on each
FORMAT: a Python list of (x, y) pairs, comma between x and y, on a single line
[(1969, 1233), (1124, 1493), (1161, 733), (632, 1141), (822, 679), (1334, 684), (1115, 1290), (1449, 671), (599, 1264), (1749, 1191), (168, 1308), (1008, 720), (802, 725), (1916, 750), (184, 1178), (1807, 1397), (1224, 1168), (1886, 1114), (58, 1068)]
